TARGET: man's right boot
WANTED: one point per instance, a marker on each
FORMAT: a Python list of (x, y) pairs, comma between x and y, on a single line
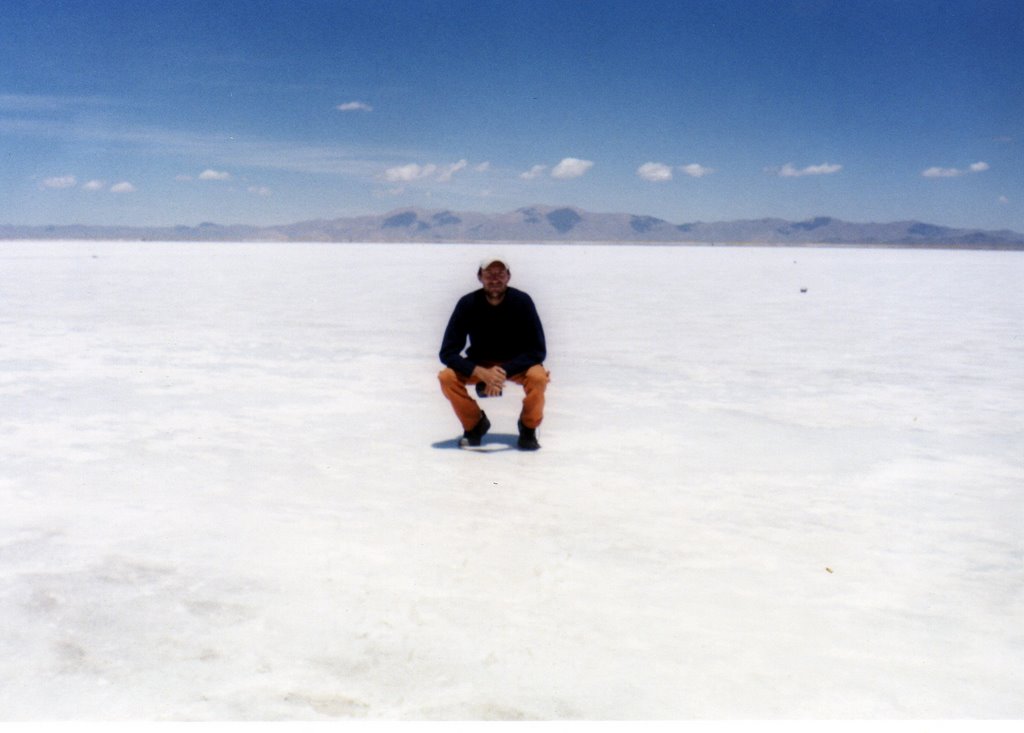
[(527, 438)]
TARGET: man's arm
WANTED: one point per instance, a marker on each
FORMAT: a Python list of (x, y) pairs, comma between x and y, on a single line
[(454, 341), (534, 349)]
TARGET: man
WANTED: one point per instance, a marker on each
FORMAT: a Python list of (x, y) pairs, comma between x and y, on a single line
[(506, 344)]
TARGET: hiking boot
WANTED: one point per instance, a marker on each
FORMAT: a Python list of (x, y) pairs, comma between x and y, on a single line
[(472, 437), (527, 438)]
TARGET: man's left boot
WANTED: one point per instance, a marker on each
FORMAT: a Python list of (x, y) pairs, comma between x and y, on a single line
[(527, 438), (472, 438)]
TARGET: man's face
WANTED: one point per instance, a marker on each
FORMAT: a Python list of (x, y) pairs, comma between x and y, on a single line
[(495, 281)]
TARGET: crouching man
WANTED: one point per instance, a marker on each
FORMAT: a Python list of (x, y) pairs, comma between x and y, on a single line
[(506, 344)]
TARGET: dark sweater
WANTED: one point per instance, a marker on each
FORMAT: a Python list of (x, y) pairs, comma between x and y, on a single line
[(508, 334)]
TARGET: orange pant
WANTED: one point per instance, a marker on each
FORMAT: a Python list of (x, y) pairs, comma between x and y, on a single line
[(534, 381)]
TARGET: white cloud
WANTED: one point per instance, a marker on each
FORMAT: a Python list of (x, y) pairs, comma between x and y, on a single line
[(211, 175), (696, 170), (790, 171), (450, 170), (483, 167), (93, 185), (259, 190), (122, 187), (354, 106), (415, 172), (822, 170), (534, 172), (571, 168), (662, 172), (60, 182), (409, 172), (938, 172), (1003, 200), (655, 172)]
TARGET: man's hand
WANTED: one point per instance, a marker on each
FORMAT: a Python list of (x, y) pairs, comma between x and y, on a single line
[(492, 377)]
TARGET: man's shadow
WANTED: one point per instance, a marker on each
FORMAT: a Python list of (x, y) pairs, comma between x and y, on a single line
[(492, 443)]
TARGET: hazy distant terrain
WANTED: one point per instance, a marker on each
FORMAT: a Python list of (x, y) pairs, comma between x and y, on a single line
[(547, 224)]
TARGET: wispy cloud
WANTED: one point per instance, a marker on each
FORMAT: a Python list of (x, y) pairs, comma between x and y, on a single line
[(696, 170), (236, 151), (571, 168), (354, 106), (27, 103), (656, 172), (95, 184), (416, 172), (59, 182), (1003, 200), (534, 172), (939, 172), (791, 171), (260, 190), (936, 172), (566, 169), (409, 172), (450, 170), (661, 172), (211, 175)]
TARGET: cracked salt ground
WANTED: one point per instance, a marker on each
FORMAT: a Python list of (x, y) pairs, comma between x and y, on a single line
[(225, 493)]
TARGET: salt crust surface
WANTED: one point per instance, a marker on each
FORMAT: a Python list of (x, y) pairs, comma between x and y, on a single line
[(229, 491)]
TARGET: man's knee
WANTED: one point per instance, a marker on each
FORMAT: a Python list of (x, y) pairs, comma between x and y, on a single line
[(447, 376), (537, 377)]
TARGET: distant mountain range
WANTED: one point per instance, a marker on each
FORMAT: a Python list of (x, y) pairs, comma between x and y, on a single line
[(548, 224)]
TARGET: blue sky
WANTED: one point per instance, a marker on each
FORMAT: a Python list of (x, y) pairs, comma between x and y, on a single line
[(157, 113)]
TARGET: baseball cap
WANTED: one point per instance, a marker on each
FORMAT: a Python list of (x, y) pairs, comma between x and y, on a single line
[(488, 261)]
